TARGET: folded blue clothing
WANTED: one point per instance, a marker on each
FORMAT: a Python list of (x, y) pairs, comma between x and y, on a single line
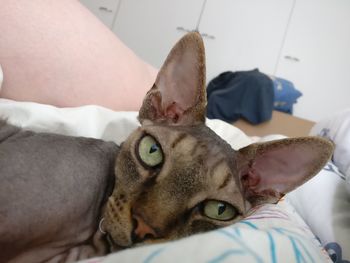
[(250, 95), (286, 95), (241, 94)]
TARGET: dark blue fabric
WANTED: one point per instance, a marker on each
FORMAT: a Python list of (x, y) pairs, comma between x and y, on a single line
[(285, 95), (240, 94)]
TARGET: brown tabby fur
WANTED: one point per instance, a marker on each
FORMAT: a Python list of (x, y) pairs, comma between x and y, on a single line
[(66, 198)]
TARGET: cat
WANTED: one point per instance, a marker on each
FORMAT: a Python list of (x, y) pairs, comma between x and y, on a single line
[(68, 198)]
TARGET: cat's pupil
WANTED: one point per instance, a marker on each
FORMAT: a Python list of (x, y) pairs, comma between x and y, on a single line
[(221, 208), (153, 148)]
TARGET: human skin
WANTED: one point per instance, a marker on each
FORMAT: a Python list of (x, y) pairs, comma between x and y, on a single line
[(57, 52)]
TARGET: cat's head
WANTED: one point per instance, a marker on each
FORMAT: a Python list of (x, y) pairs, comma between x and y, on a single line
[(175, 177)]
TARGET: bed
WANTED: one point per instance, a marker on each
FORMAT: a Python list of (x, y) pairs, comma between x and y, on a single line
[(311, 224)]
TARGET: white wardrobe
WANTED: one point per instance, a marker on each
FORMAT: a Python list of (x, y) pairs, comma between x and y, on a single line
[(304, 41)]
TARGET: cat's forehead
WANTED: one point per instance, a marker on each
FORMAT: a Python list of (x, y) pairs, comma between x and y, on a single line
[(201, 134), (194, 143)]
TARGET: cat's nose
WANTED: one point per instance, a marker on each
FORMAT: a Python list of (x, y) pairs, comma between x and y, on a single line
[(142, 230)]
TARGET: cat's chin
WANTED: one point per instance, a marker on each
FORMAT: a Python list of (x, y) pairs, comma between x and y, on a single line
[(117, 223), (114, 246)]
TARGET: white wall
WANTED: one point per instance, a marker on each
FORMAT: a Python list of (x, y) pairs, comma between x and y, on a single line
[(319, 36)]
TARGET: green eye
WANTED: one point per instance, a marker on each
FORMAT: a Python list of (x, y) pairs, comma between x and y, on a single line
[(219, 210), (150, 152)]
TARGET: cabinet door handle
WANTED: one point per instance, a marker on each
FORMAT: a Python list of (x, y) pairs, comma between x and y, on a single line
[(204, 35), (180, 28), (294, 59), (106, 9)]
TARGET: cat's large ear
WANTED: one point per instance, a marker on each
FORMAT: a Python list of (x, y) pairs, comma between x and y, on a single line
[(178, 96), (270, 170)]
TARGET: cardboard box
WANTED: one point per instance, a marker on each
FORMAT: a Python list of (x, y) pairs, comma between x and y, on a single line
[(281, 123)]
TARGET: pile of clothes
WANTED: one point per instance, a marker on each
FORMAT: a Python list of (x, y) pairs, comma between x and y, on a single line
[(250, 95)]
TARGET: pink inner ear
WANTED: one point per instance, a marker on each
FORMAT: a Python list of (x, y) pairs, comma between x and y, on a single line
[(179, 83), (174, 112), (250, 179), (282, 169), (178, 95)]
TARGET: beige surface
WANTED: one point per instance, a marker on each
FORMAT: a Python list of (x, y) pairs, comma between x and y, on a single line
[(281, 123)]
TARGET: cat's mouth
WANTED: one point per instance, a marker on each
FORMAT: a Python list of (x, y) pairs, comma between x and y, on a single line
[(125, 229), (133, 238), (116, 243)]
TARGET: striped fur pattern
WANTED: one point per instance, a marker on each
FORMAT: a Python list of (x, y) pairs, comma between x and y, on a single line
[(198, 166)]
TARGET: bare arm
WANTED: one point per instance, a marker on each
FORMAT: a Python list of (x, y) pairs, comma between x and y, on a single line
[(57, 52)]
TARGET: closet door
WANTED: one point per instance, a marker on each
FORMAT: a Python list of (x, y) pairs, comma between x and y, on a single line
[(105, 10), (151, 27), (316, 56), (247, 34)]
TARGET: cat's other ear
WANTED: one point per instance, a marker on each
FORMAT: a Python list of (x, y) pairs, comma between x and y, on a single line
[(178, 96), (270, 170)]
